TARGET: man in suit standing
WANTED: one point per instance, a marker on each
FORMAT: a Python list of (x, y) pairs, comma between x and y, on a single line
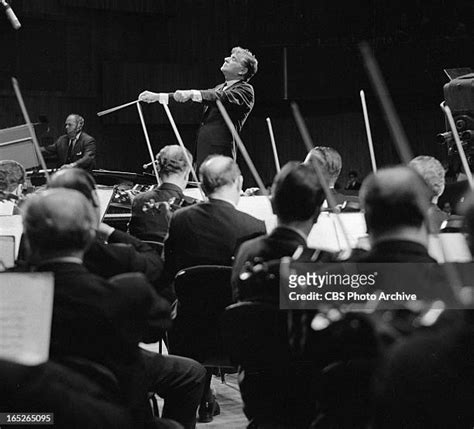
[(237, 96), (75, 148)]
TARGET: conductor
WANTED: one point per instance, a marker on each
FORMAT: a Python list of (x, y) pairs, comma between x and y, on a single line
[(237, 96)]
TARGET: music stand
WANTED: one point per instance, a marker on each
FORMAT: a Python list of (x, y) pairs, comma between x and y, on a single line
[(16, 144)]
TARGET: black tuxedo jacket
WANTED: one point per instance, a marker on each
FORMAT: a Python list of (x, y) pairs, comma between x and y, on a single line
[(214, 135), (83, 152), (100, 321), (207, 233)]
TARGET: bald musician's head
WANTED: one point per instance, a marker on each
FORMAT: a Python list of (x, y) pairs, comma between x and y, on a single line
[(221, 178), (79, 180), (328, 159), (58, 222), (394, 199)]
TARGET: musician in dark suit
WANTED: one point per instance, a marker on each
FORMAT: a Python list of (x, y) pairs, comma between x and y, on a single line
[(395, 201), (103, 321), (75, 148), (112, 252), (297, 197), (208, 233), (152, 210), (237, 96)]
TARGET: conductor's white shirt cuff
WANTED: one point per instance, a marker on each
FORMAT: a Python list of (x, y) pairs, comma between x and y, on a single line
[(196, 95)]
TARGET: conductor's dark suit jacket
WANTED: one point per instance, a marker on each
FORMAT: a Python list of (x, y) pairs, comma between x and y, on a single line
[(83, 152), (214, 135), (207, 233)]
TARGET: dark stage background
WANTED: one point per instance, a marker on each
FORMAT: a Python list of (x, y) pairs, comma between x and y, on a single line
[(84, 56)]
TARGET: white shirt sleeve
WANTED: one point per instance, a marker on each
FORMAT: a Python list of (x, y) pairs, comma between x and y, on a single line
[(196, 95)]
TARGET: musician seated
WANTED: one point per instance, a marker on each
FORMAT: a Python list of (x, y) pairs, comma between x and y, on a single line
[(112, 252), (297, 197), (329, 160), (152, 210), (75, 148), (208, 234), (93, 319), (395, 201), (434, 175), (12, 179)]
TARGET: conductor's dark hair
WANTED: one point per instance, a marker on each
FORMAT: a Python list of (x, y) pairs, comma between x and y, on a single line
[(297, 194)]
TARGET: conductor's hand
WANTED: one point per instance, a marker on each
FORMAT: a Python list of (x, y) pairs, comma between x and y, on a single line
[(149, 97), (182, 96)]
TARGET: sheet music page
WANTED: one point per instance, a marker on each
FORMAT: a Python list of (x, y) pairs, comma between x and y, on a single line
[(257, 206), (105, 195), (327, 234), (453, 243), (6, 208), (12, 225), (26, 309)]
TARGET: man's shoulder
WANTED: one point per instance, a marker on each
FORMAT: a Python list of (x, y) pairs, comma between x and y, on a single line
[(86, 138)]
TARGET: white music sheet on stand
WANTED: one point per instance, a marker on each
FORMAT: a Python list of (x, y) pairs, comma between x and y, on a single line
[(327, 234), (6, 208), (454, 244), (105, 195), (26, 309), (12, 225)]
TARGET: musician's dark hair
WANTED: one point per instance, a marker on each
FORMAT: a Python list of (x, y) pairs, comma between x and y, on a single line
[(12, 174), (78, 179), (394, 197), (212, 179), (171, 160), (248, 60), (328, 159), (297, 194)]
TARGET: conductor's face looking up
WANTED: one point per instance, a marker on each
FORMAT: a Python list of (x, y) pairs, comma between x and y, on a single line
[(233, 67)]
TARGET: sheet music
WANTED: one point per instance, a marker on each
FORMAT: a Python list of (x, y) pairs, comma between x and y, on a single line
[(455, 245), (12, 225), (258, 206), (7, 251), (327, 234), (26, 309), (6, 208), (105, 195)]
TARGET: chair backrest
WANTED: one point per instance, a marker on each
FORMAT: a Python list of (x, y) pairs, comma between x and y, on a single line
[(255, 335), (203, 292)]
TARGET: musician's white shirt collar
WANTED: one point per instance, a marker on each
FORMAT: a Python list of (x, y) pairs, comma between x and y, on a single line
[(75, 139)]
